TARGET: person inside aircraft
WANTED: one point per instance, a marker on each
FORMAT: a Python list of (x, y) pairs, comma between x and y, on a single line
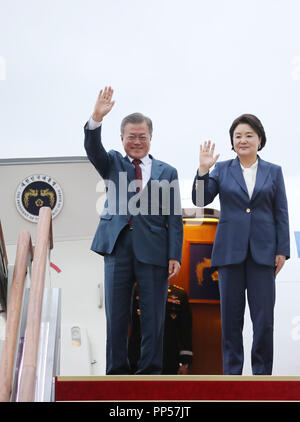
[(177, 350)]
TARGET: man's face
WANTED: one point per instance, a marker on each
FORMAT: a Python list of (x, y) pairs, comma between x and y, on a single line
[(136, 139)]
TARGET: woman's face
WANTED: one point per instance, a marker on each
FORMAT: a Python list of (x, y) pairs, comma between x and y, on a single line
[(245, 141)]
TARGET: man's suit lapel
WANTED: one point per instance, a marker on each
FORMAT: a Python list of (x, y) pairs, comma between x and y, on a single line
[(156, 169), (263, 169)]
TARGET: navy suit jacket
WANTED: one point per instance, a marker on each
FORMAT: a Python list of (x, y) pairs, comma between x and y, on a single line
[(157, 234), (261, 222)]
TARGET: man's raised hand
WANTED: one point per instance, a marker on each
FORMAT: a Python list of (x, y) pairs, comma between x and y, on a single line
[(103, 104)]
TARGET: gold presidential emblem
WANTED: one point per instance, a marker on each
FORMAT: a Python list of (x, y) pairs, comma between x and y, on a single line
[(206, 263), (38, 191)]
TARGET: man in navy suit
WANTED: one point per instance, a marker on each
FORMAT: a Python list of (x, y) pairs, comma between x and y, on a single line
[(251, 242), (140, 234)]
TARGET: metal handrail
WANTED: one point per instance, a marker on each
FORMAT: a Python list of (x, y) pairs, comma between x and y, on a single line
[(3, 273), (44, 240), (3, 246), (23, 255)]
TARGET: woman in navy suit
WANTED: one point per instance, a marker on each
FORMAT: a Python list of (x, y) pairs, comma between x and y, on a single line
[(252, 240)]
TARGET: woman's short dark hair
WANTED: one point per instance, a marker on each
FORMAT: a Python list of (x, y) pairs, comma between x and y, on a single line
[(256, 125)]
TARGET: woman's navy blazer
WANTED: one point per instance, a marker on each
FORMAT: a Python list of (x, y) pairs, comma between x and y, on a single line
[(260, 222)]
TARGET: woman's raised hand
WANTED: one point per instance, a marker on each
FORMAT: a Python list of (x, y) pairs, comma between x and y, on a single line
[(207, 159)]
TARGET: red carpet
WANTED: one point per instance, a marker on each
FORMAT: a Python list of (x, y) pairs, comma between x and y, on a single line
[(177, 388)]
